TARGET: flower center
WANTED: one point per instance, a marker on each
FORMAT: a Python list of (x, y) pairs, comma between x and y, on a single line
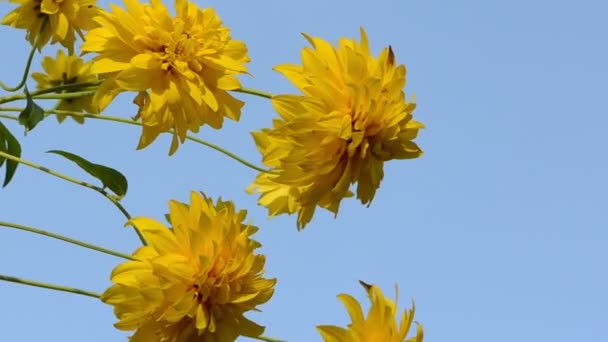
[(178, 51)]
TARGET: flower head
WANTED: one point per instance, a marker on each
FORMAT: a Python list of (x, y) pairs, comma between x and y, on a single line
[(351, 118), (52, 19), (194, 281), (182, 67), (66, 70), (379, 325)]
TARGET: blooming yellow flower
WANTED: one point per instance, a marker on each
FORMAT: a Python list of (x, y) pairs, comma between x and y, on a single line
[(66, 70), (194, 281), (379, 325), (352, 117), (56, 19), (182, 66)]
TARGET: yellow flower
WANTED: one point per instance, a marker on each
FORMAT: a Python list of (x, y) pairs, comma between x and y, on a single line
[(194, 281), (182, 66), (66, 70), (56, 19), (379, 325), (352, 117)]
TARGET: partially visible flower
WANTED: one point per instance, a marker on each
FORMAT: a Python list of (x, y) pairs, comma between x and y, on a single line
[(52, 19), (193, 281), (380, 324), (182, 67), (66, 70), (352, 117)]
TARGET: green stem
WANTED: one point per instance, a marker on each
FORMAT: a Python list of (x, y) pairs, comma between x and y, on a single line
[(62, 96), (189, 137), (136, 123), (69, 86), (267, 339), (28, 63), (48, 286), (75, 181), (25, 72), (65, 238), (227, 153), (254, 92), (47, 95)]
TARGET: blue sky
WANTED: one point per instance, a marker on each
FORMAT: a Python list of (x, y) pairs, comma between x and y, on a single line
[(498, 232)]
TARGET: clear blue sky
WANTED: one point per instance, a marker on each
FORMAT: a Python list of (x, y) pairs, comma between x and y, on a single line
[(499, 232)]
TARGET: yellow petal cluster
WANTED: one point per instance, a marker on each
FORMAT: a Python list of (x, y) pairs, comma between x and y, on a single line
[(182, 67), (52, 19), (66, 70), (351, 118), (193, 281), (379, 325)]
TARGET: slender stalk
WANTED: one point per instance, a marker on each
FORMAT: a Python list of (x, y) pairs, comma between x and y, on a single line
[(48, 286), (25, 72), (67, 87), (62, 96), (267, 339), (188, 137), (28, 64), (66, 239), (48, 95), (75, 181), (228, 153), (254, 92), (136, 123)]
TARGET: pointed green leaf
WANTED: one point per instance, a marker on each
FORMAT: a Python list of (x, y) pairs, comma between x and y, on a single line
[(9, 144), (32, 114), (109, 177), (3, 146)]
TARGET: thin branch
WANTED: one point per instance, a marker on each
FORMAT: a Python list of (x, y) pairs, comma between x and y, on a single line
[(48, 95), (66, 239), (136, 123), (254, 92), (27, 66), (267, 339), (28, 282), (75, 181)]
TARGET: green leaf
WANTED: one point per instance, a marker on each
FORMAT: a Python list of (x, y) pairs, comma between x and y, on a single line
[(32, 114), (109, 177), (3, 146), (9, 144)]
